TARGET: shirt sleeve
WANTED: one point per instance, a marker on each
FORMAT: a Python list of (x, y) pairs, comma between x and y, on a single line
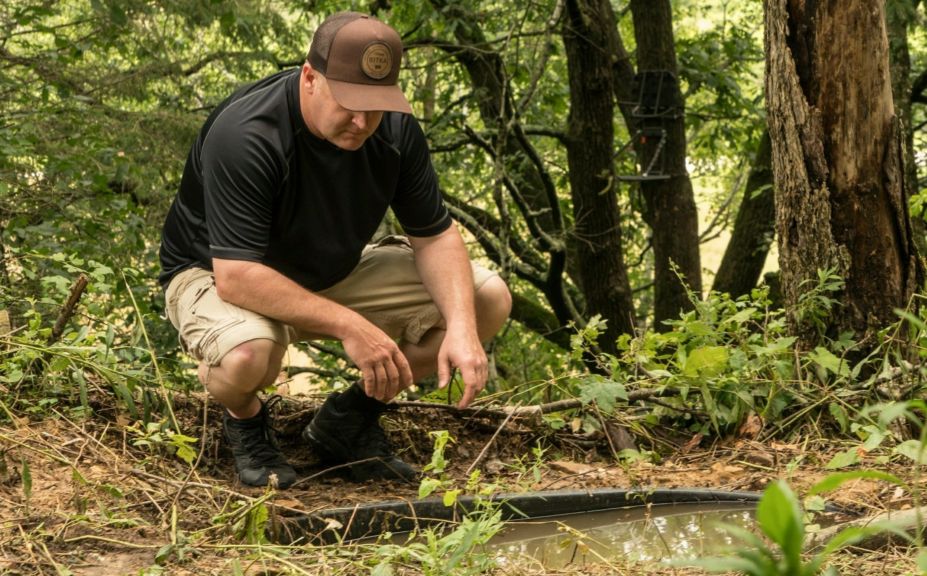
[(241, 172), (418, 204)]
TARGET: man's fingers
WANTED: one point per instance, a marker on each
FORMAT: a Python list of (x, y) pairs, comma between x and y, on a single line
[(382, 382), (405, 371), (445, 371), (474, 381), (393, 385), (370, 380)]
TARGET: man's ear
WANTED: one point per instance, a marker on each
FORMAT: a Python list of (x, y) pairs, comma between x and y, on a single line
[(309, 77)]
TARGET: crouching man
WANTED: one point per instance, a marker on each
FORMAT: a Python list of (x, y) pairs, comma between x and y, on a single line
[(267, 241)]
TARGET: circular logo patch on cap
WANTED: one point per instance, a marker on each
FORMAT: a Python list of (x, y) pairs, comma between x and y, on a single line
[(377, 61)]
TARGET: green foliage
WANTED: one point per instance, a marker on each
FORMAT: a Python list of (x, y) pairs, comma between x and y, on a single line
[(439, 551), (720, 52), (456, 552), (781, 519), (96, 352), (27, 482), (437, 465), (725, 357), (158, 437), (818, 299), (247, 520)]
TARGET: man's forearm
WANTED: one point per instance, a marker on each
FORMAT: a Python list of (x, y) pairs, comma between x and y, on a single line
[(264, 290), (444, 266)]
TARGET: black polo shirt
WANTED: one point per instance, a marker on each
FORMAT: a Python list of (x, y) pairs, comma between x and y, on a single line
[(259, 186)]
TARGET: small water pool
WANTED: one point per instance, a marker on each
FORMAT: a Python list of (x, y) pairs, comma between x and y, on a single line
[(646, 533), (593, 522)]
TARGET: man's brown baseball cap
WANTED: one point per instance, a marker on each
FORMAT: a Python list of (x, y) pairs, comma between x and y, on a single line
[(360, 57)]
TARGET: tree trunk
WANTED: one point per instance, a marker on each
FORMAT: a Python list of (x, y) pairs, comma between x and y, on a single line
[(671, 211), (837, 158), (754, 229), (590, 148), (899, 15)]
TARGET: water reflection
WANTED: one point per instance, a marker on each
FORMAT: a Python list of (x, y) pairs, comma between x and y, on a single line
[(634, 534)]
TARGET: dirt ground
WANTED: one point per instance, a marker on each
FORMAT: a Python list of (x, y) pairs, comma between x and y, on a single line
[(90, 497)]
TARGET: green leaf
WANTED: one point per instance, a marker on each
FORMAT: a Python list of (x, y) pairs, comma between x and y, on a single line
[(450, 497), (843, 459), (854, 534), (776, 347), (892, 410), (27, 479), (706, 361), (12, 377), (743, 316), (914, 320), (815, 503), (840, 415), (710, 405), (780, 518), (428, 486), (828, 361), (922, 559), (163, 554), (746, 536), (912, 449), (382, 569), (186, 453), (874, 440), (603, 393)]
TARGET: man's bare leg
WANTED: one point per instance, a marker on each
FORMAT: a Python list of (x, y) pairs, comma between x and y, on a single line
[(234, 383), (241, 373)]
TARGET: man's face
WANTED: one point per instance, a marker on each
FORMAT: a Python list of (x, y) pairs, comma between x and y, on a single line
[(346, 129)]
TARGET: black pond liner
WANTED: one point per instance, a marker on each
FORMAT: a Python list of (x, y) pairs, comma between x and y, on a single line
[(370, 520)]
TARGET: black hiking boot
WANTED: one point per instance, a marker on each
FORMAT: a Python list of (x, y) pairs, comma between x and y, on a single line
[(255, 449), (346, 429)]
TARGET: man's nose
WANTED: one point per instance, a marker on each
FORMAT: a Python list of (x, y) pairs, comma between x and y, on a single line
[(361, 120)]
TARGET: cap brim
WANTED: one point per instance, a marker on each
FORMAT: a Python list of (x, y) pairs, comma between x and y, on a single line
[(369, 97)]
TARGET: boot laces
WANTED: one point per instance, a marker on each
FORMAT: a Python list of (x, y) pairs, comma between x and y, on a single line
[(258, 441)]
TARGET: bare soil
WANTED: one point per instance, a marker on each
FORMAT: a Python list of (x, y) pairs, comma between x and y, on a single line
[(81, 497)]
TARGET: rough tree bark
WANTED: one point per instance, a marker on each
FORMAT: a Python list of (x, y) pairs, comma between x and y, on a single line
[(837, 158), (899, 15), (590, 149), (671, 210), (754, 229)]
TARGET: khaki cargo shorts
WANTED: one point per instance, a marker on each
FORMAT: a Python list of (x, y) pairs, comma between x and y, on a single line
[(384, 288)]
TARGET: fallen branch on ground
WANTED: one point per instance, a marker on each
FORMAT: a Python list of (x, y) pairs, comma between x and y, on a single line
[(533, 411)]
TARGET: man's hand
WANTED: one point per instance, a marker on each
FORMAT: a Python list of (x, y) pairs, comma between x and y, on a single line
[(385, 368), (463, 350), (257, 287)]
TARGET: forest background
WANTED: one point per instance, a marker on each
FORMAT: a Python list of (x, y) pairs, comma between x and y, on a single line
[(612, 160)]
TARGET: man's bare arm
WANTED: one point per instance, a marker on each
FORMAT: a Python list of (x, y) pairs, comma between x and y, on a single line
[(444, 266), (263, 290)]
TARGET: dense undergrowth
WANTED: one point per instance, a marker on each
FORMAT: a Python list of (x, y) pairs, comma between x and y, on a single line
[(727, 369)]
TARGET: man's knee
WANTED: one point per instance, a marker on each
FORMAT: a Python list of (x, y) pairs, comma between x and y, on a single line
[(253, 361), (493, 304)]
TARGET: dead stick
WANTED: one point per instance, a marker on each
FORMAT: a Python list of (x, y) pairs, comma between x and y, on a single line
[(482, 454), (77, 289), (535, 410), (38, 365)]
